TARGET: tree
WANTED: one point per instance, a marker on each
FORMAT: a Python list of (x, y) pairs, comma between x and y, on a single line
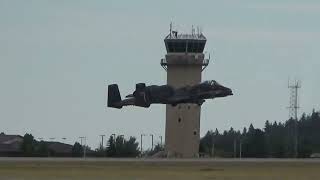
[(268, 133), (28, 145), (42, 149), (131, 148), (274, 140), (101, 151), (77, 150), (111, 147), (120, 146)]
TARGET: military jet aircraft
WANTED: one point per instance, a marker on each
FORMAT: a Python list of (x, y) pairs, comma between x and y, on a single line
[(144, 95)]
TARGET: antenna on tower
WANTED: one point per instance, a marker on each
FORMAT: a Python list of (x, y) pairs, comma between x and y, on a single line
[(294, 104), (198, 31), (192, 31), (170, 29), (293, 110)]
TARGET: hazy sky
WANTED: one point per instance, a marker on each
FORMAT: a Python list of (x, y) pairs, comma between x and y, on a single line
[(57, 57)]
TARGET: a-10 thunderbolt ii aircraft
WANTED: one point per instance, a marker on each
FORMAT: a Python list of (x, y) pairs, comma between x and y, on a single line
[(144, 95)]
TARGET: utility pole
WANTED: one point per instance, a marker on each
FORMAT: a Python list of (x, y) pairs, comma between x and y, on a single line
[(114, 137), (141, 143), (160, 140), (240, 152), (293, 111), (212, 148), (83, 146), (81, 140), (151, 142), (122, 138), (234, 148), (102, 136)]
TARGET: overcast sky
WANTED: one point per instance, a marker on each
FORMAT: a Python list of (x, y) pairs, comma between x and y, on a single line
[(57, 57)]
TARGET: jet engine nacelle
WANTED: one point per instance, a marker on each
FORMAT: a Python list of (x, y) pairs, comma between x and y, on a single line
[(142, 95), (140, 86)]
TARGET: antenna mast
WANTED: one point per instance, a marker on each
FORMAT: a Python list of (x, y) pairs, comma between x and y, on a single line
[(170, 29), (293, 111)]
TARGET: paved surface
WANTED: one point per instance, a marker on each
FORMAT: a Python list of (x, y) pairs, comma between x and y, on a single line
[(194, 160)]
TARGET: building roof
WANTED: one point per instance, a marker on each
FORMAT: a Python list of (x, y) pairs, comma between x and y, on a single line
[(9, 139), (10, 143), (59, 147)]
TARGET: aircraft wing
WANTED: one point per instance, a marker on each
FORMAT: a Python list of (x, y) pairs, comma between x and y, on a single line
[(178, 99)]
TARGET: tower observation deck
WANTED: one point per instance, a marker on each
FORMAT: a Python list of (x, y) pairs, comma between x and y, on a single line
[(191, 44), (184, 63)]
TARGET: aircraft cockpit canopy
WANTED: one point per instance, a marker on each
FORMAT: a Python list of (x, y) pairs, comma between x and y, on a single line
[(212, 82)]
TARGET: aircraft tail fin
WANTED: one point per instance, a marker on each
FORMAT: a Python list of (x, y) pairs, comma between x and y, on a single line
[(114, 97)]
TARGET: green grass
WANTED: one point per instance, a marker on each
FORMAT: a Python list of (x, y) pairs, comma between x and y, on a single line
[(151, 170)]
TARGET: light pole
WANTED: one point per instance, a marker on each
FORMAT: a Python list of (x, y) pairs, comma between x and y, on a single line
[(114, 137), (81, 139), (160, 140), (234, 148), (141, 143), (151, 142), (83, 146), (122, 138), (240, 153), (102, 140), (212, 149)]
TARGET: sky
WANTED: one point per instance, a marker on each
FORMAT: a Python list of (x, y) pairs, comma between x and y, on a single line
[(57, 58)]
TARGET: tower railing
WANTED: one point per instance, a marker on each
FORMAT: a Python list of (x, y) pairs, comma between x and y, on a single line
[(204, 63)]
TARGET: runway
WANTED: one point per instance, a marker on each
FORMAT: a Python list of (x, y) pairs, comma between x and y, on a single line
[(160, 160)]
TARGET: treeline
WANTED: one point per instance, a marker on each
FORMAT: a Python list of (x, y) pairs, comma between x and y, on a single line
[(118, 147), (30, 147), (275, 140)]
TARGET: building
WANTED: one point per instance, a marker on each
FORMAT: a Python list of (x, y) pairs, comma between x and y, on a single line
[(59, 149), (184, 63), (10, 145)]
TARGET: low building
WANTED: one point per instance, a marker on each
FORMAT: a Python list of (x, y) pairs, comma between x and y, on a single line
[(10, 145), (59, 149)]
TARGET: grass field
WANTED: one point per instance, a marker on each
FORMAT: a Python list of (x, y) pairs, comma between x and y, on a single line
[(135, 169)]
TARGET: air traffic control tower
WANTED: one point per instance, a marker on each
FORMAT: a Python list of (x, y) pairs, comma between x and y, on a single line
[(184, 63)]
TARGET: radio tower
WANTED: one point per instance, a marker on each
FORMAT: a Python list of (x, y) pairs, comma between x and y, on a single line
[(293, 111)]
